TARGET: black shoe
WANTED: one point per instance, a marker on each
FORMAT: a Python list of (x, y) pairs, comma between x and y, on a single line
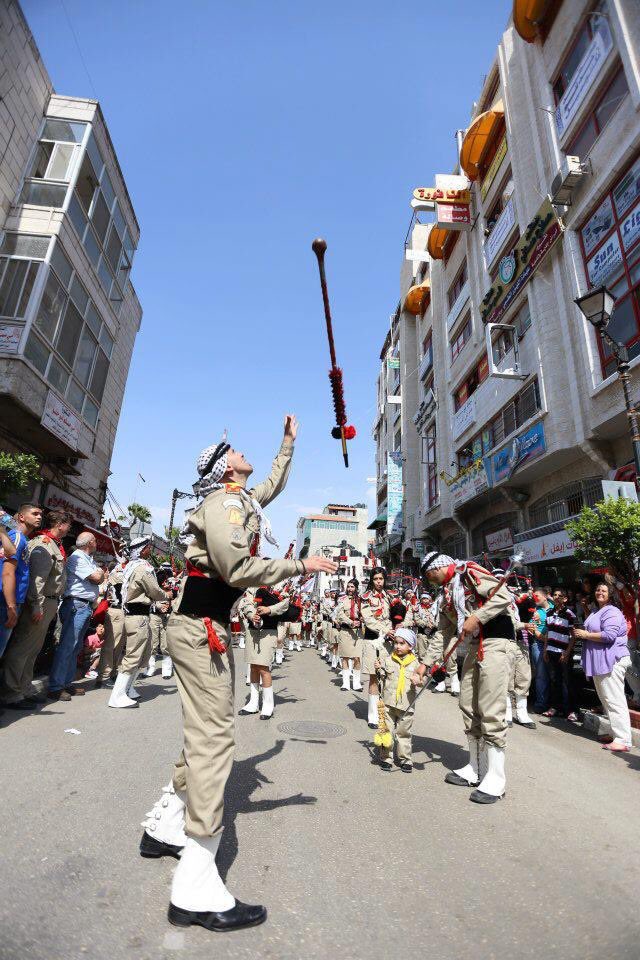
[(530, 725), (109, 684), (406, 767), (242, 915), (509, 723), (152, 848), (372, 726), (452, 777), (23, 704), (387, 767), (248, 713), (455, 695), (479, 797), (270, 717), (35, 700)]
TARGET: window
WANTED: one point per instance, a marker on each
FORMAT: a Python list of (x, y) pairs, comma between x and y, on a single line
[(479, 374), (595, 123), (433, 494), (69, 344), (461, 337), (397, 440), (492, 94), (455, 289), (610, 239), (582, 39), (511, 417), (16, 283), (426, 363), (450, 245), (54, 161), (565, 502)]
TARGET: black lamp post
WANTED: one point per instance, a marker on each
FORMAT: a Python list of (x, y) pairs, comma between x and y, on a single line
[(597, 307), (176, 495)]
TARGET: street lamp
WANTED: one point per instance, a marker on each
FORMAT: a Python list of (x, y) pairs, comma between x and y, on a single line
[(597, 307), (176, 495)]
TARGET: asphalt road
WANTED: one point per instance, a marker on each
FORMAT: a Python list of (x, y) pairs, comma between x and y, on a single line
[(350, 861)]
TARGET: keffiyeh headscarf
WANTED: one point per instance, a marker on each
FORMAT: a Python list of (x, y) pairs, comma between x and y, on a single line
[(211, 466), (136, 547), (454, 588)]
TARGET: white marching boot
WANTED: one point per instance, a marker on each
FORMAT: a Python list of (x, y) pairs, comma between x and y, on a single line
[(164, 826), (253, 703), (509, 711), (334, 661), (455, 685), (151, 668), (350, 662), (522, 714), (279, 655), (441, 687), (372, 718), (492, 786), (345, 680), (248, 676), (357, 680), (267, 703), (290, 645), (167, 668), (298, 644), (197, 885), (469, 775), (132, 693), (119, 696), (323, 649), (241, 642)]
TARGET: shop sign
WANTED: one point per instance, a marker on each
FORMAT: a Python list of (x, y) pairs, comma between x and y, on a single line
[(393, 363), (555, 546), (522, 449), (628, 189), (605, 262), (61, 421), (449, 188), (496, 239), (469, 483), (507, 268), (494, 167), (585, 76), (597, 226), (394, 493), (10, 336), (464, 417), (630, 227), (457, 306), (58, 499), (529, 252), (499, 539), (419, 548), (453, 216)]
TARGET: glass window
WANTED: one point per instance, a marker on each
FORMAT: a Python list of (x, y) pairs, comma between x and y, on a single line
[(11, 286), (43, 194), (36, 352), (92, 248), (58, 377), (99, 377), (41, 160), (106, 277), (78, 218), (94, 153), (93, 319), (100, 216), (118, 219), (75, 395), (113, 248), (107, 189), (24, 245), (600, 116), (90, 411), (87, 184), (79, 295), (106, 342), (69, 335), (51, 307), (64, 130), (572, 61), (84, 357), (60, 263), (60, 166), (32, 273)]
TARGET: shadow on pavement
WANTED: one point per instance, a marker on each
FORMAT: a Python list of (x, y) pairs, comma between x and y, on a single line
[(245, 779)]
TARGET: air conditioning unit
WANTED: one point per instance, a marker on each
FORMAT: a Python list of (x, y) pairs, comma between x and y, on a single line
[(566, 180)]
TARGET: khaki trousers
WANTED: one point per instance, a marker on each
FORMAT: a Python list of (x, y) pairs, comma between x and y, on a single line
[(399, 723), (281, 632), (430, 651), (138, 649), (483, 690), (25, 644), (113, 645), (294, 629), (158, 624), (205, 684), (519, 669)]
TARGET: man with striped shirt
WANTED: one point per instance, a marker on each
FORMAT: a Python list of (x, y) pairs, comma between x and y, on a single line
[(557, 654)]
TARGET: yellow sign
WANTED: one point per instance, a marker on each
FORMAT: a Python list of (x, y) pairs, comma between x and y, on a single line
[(496, 163), (442, 196)]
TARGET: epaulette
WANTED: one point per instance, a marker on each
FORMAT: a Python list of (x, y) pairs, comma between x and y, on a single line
[(232, 487)]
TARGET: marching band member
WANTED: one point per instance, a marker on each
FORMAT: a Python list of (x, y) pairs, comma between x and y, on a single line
[(348, 622), (376, 617), (262, 609)]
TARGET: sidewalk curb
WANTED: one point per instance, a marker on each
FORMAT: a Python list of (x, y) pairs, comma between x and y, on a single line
[(600, 726)]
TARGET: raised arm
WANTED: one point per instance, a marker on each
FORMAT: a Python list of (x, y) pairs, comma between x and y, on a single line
[(275, 483)]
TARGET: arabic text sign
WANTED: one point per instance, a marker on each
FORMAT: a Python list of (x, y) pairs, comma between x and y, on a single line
[(61, 421), (554, 546), (582, 80), (470, 484), (605, 262), (464, 417), (10, 336), (394, 493), (529, 252), (454, 216), (505, 224), (628, 189), (58, 499), (499, 539), (494, 167), (597, 225), (521, 450)]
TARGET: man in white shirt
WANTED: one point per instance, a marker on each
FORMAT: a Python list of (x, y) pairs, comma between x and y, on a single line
[(83, 579)]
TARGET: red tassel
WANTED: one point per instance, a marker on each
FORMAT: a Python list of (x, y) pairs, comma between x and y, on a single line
[(215, 643)]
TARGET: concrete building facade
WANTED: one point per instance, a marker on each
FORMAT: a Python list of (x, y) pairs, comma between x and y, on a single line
[(68, 312), (491, 461)]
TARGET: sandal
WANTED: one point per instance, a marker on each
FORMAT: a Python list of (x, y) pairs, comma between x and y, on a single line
[(617, 747), (573, 716), (551, 712)]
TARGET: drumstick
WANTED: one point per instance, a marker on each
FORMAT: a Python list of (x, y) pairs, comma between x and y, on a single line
[(319, 247)]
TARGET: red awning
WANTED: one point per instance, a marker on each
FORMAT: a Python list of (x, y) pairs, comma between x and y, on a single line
[(103, 542)]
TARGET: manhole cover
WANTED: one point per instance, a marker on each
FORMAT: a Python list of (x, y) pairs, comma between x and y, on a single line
[(312, 729)]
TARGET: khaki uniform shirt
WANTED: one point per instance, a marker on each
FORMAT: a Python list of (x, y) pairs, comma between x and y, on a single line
[(342, 615), (391, 671), (478, 584), (143, 587), (247, 607), (47, 572), (374, 610)]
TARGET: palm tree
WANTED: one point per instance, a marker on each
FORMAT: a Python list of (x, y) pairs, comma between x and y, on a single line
[(138, 512)]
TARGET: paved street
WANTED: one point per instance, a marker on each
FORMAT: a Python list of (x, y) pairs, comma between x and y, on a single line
[(349, 861)]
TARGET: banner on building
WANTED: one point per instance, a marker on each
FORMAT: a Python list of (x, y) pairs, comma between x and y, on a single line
[(57, 499), (494, 167), (522, 449), (587, 72), (61, 421), (529, 252), (555, 546), (394, 493), (470, 482), (10, 336), (503, 227), (499, 540)]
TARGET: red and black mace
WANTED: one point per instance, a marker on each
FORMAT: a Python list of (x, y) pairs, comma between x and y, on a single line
[(341, 431)]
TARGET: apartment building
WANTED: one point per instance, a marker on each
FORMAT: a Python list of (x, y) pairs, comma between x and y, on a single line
[(506, 433), (69, 314)]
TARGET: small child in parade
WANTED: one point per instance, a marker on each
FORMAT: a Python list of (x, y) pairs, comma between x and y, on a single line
[(398, 695), (93, 645)]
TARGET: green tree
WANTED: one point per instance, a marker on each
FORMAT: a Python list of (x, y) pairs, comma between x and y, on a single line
[(171, 533), (17, 470), (138, 512), (608, 535)]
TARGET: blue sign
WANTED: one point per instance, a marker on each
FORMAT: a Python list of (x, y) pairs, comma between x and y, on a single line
[(521, 450), (394, 493)]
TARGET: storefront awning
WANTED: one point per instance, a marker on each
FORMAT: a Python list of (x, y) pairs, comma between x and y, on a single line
[(103, 541), (478, 139), (380, 521), (528, 16), (417, 298), (436, 242)]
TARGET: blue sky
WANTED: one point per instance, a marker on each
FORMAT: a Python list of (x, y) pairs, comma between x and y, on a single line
[(244, 130)]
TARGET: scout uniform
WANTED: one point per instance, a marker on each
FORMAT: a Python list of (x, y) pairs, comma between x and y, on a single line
[(261, 644), (429, 650), (294, 627), (398, 695), (46, 585), (376, 617), (222, 563), (485, 673), (520, 671), (158, 620), (139, 589), (349, 625), (114, 632), (326, 609)]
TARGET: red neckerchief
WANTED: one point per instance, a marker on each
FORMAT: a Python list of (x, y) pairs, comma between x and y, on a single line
[(352, 613), (58, 543)]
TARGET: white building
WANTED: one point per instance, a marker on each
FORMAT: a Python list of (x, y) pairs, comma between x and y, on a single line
[(489, 461), (68, 312), (339, 533)]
